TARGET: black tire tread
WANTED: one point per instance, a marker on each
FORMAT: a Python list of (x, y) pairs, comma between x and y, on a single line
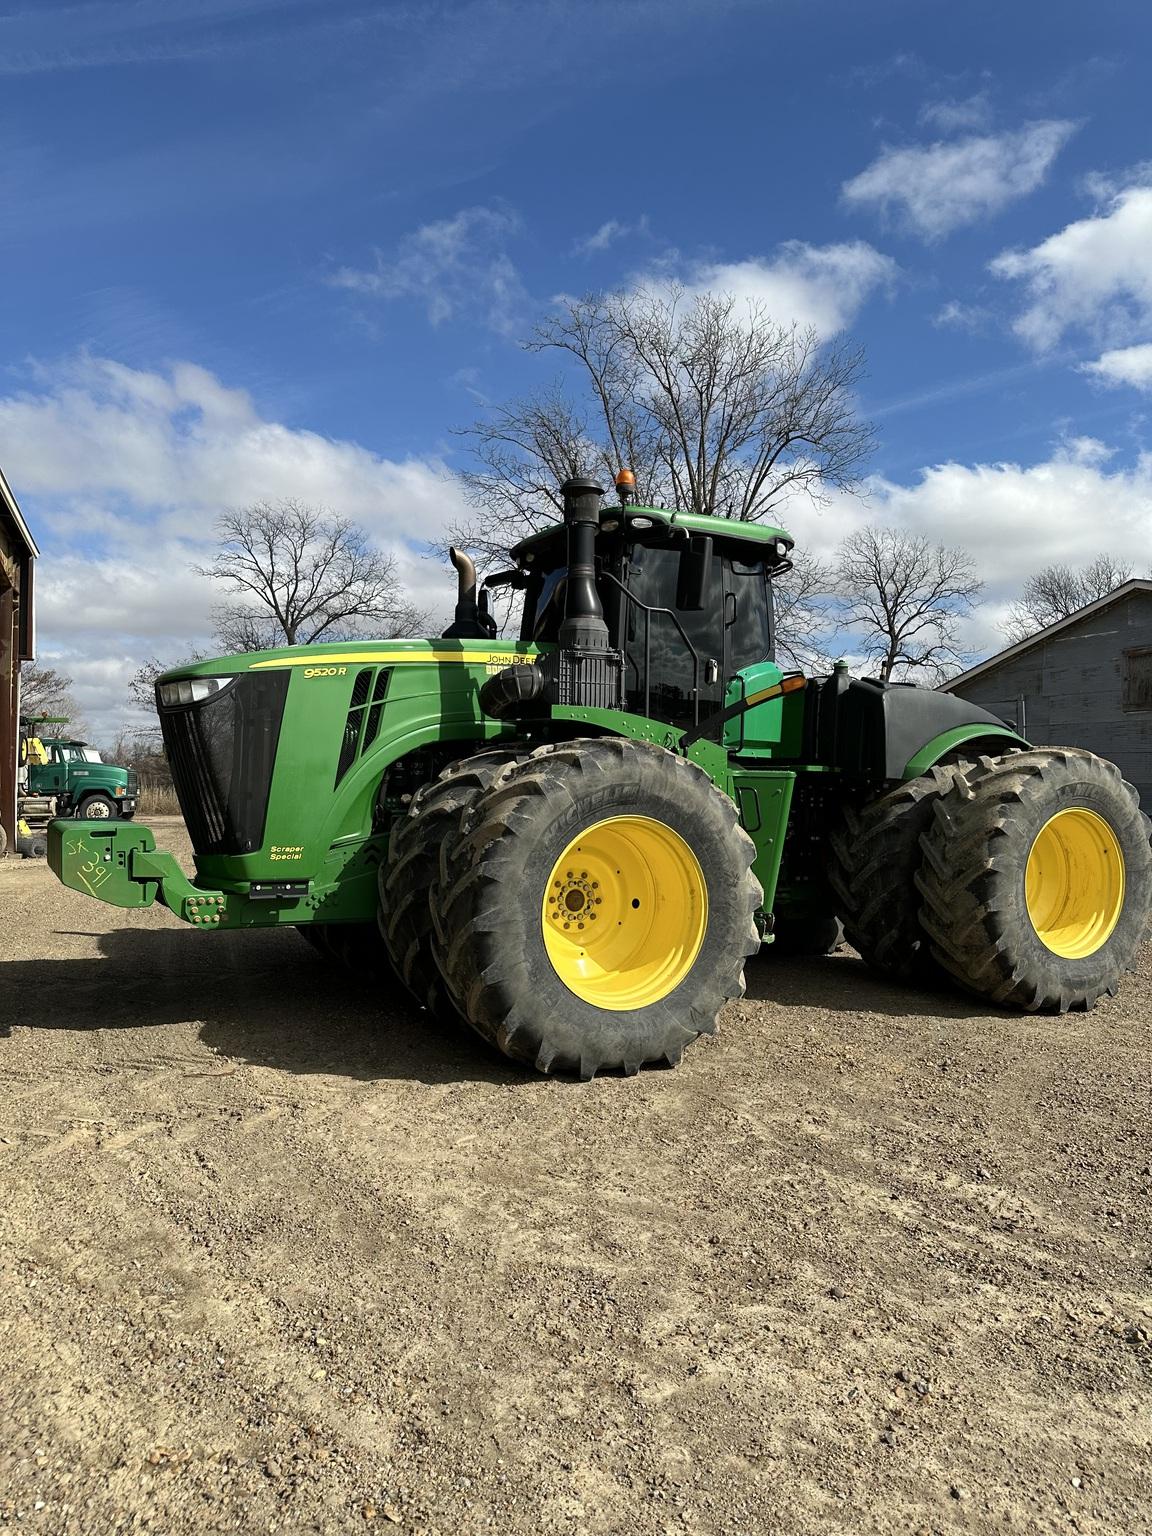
[(356, 947), (874, 855), (407, 875)]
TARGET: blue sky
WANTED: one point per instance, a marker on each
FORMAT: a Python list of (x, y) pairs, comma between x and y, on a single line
[(265, 247)]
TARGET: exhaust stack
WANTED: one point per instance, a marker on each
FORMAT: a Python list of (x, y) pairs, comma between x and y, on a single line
[(468, 622)]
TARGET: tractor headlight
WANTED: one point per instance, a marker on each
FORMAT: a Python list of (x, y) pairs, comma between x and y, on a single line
[(192, 690)]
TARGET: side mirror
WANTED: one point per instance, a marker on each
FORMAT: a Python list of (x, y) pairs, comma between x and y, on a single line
[(693, 574)]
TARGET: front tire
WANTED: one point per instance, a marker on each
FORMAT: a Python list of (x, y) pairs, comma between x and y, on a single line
[(356, 947), (599, 909), (1037, 879)]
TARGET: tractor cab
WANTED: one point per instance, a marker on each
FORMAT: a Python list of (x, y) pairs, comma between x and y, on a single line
[(686, 598)]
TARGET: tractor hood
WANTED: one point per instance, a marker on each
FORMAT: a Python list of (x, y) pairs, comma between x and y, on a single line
[(337, 653)]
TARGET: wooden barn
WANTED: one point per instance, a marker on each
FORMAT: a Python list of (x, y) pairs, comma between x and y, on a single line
[(17, 558), (1085, 681)]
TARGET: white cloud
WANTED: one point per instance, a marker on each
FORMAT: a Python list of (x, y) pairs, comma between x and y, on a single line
[(951, 116), (1124, 365), (1095, 274), (608, 234), (1013, 518), (122, 472), (457, 266), (961, 317), (1104, 186), (939, 187), (823, 286)]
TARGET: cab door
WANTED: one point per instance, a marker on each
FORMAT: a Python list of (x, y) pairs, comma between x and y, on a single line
[(747, 615), (671, 692), (55, 771)]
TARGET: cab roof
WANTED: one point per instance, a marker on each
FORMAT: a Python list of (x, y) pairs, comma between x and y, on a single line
[(724, 529)]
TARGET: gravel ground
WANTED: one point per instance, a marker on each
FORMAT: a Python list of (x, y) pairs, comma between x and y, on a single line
[(279, 1255)]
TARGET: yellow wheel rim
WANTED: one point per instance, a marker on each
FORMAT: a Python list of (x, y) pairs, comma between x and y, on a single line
[(1074, 883), (625, 913)]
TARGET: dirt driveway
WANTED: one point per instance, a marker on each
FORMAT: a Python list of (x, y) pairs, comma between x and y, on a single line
[(278, 1255)]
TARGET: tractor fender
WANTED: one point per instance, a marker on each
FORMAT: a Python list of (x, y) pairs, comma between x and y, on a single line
[(975, 739), (895, 731)]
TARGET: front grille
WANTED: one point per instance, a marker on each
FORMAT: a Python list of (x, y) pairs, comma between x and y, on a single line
[(222, 753), (363, 722), (133, 783)]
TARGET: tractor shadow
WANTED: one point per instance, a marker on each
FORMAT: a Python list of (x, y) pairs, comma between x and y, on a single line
[(263, 997), (842, 983)]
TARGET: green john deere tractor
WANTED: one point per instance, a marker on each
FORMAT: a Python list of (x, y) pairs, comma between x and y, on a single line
[(576, 840)]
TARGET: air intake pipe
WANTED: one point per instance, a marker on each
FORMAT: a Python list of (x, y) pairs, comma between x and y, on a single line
[(583, 627)]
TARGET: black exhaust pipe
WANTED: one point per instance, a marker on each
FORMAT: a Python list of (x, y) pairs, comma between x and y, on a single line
[(583, 627), (468, 622)]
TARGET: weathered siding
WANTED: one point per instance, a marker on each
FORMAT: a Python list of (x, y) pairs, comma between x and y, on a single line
[(1073, 689), (17, 554), (11, 573)]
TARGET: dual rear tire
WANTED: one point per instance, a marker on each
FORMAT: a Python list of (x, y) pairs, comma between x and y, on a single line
[(1036, 880), (1026, 879)]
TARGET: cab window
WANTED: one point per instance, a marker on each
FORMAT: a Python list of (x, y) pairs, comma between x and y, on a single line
[(747, 614)]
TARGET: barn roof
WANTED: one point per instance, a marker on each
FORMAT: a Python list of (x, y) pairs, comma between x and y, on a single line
[(1137, 584), (12, 514)]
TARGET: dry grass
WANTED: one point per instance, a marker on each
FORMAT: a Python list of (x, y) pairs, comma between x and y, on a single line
[(157, 800)]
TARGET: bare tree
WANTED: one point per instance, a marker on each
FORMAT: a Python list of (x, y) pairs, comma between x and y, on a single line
[(1058, 590), (905, 596), (713, 405), (44, 691), (298, 574), (801, 602)]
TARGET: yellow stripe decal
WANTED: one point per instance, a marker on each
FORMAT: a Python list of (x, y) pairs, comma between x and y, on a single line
[(786, 685), (391, 658)]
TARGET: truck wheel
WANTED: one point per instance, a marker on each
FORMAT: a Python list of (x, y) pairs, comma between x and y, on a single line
[(413, 863), (874, 855), (3, 841), (1037, 879), (598, 909), (97, 808)]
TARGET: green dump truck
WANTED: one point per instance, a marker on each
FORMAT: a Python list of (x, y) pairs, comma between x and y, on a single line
[(81, 782), (576, 839)]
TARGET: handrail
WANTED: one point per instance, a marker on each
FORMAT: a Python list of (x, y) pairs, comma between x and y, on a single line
[(648, 612)]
